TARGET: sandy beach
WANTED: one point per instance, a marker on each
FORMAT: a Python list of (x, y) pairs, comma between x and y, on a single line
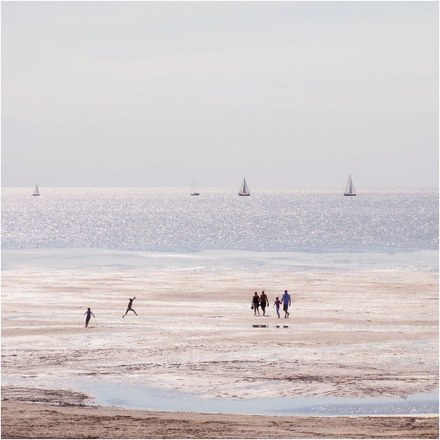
[(361, 334)]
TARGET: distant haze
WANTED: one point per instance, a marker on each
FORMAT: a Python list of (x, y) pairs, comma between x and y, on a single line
[(158, 94)]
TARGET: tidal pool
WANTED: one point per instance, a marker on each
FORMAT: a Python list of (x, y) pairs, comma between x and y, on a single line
[(129, 396), (139, 397)]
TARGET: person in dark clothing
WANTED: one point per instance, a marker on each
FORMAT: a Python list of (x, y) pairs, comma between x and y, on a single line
[(256, 303), (129, 308), (264, 301), (88, 314)]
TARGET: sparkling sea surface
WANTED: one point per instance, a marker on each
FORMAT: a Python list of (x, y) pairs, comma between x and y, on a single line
[(170, 220)]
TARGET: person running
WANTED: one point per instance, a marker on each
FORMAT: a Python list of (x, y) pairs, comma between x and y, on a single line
[(89, 314), (277, 304), (256, 303), (287, 301), (129, 308), (264, 301)]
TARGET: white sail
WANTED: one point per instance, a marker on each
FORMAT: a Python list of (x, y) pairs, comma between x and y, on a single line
[(193, 191), (36, 191), (349, 188), (244, 190)]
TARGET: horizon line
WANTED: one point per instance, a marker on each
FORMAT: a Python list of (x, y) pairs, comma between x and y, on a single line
[(274, 188)]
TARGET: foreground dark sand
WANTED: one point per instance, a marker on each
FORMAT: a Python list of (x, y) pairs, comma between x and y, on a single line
[(62, 415)]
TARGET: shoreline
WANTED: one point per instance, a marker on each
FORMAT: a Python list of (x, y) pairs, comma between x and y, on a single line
[(58, 414), (425, 260)]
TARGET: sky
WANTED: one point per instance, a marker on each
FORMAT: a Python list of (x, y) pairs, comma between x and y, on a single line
[(161, 94)]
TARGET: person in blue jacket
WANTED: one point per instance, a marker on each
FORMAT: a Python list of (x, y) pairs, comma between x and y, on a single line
[(286, 301)]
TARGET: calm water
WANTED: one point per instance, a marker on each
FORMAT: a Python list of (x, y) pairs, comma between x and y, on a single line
[(160, 220)]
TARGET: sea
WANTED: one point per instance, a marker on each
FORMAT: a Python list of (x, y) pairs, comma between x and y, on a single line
[(307, 228)]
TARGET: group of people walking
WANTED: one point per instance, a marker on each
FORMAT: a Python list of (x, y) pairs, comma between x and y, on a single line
[(262, 301), (89, 313), (258, 302)]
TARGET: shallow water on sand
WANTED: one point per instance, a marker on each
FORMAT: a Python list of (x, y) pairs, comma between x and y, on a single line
[(135, 397), (121, 395)]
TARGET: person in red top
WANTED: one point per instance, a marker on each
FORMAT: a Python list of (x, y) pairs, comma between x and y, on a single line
[(264, 301), (277, 304), (256, 303)]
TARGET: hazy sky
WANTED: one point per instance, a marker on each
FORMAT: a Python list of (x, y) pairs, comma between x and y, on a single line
[(153, 94)]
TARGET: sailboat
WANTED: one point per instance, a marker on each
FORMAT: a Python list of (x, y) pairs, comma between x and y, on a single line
[(349, 188), (244, 190), (36, 191), (193, 191)]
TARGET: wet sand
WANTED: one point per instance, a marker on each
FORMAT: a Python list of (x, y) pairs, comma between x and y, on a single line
[(357, 334)]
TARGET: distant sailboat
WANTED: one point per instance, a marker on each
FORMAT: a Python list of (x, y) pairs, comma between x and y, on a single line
[(244, 190), (193, 191), (349, 188), (36, 191)]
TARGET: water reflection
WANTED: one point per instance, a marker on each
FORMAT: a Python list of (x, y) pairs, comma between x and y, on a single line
[(136, 397)]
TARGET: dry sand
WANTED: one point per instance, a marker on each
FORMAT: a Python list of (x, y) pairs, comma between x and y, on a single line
[(359, 334)]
